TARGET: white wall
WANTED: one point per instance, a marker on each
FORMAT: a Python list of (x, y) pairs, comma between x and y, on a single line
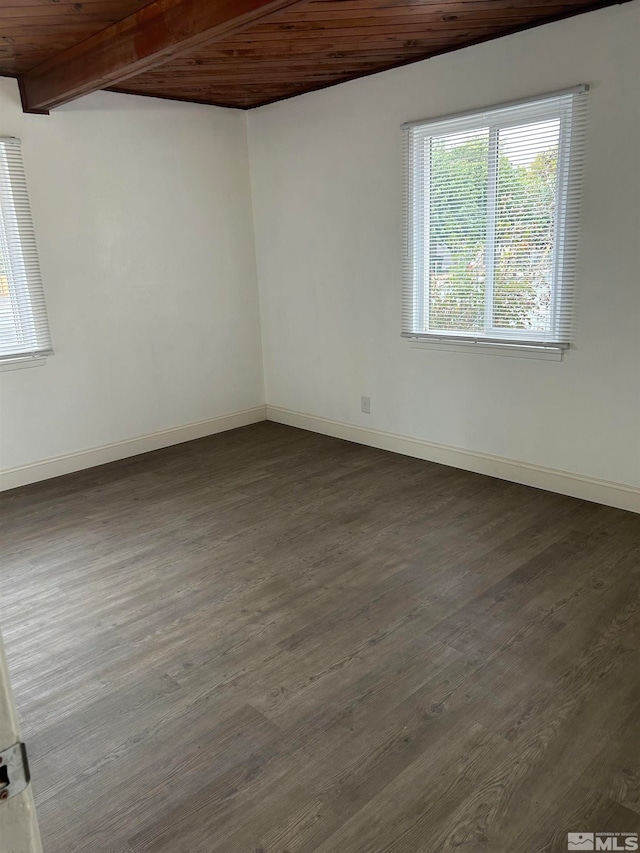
[(142, 213), (326, 178)]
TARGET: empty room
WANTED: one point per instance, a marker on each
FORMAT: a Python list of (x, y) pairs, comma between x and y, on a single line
[(319, 426)]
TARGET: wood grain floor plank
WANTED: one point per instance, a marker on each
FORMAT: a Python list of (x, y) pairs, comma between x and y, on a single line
[(615, 770), (271, 641)]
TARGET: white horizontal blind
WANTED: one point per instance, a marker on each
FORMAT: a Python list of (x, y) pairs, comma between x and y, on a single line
[(24, 328), (491, 222)]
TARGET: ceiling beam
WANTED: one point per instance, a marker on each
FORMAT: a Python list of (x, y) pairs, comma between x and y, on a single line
[(150, 37)]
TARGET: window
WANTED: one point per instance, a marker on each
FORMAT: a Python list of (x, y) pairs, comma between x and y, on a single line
[(24, 329), (491, 219)]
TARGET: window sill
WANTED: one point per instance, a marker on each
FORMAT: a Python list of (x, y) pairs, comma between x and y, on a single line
[(515, 350), (21, 363)]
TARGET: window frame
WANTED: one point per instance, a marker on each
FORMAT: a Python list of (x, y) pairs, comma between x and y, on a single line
[(416, 266), (27, 308)]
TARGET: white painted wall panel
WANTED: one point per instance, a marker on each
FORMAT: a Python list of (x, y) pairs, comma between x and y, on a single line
[(326, 177), (143, 217)]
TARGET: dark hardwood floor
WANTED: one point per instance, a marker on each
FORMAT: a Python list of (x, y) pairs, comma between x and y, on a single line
[(271, 641)]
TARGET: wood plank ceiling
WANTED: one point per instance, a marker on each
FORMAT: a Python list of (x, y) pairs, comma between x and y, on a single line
[(244, 53), (32, 31)]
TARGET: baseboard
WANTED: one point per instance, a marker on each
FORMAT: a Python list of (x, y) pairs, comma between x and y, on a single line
[(12, 478), (553, 480)]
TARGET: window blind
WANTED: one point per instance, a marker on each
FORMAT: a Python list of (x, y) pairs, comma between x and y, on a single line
[(24, 328), (491, 217)]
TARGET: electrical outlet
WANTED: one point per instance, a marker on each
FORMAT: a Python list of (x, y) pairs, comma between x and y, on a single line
[(365, 405)]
